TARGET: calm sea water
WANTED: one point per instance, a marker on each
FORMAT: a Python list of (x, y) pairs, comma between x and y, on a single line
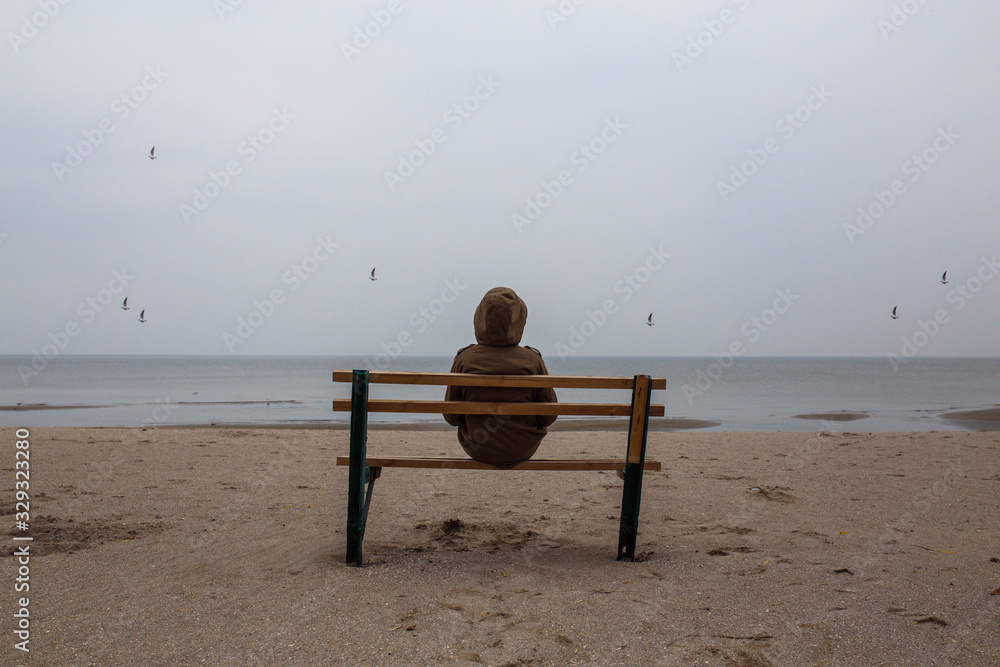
[(751, 394)]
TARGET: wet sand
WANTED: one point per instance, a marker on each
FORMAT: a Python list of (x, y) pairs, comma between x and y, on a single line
[(834, 416), (988, 419)]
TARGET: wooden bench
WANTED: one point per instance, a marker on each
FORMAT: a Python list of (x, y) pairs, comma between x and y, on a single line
[(364, 470)]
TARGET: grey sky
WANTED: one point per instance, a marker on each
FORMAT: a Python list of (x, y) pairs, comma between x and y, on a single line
[(279, 134)]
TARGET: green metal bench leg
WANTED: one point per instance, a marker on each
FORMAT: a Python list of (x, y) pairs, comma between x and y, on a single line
[(371, 474), (634, 462), (357, 499), (631, 495)]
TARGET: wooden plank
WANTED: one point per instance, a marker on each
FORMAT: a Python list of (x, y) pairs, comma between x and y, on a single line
[(475, 380), (637, 427), (498, 408), (470, 464)]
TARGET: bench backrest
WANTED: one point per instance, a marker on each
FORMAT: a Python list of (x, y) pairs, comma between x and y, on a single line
[(499, 407), (638, 410)]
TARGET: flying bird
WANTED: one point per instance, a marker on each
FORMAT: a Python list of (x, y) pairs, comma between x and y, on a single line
[(142, 315), (125, 304), (944, 278), (152, 152), (894, 315), (372, 276), (649, 322)]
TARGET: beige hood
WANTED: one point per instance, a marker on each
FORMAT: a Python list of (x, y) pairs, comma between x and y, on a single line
[(500, 318)]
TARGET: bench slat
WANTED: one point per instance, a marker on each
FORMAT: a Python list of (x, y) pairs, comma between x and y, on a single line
[(455, 463), (489, 408), (638, 424), (475, 380)]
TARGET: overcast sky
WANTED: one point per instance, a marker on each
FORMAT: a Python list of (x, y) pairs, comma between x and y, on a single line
[(773, 177)]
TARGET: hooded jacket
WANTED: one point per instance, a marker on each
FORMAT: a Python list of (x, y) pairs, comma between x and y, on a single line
[(501, 440)]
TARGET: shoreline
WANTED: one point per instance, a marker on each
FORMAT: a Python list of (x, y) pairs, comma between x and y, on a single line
[(26, 407), (597, 424), (948, 423)]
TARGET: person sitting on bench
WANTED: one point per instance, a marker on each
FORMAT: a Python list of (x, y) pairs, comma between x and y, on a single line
[(500, 440)]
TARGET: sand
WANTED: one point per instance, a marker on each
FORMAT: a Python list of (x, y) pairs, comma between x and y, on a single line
[(988, 418), (225, 546), (834, 416)]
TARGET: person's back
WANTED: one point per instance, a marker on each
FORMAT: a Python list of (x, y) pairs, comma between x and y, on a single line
[(501, 440)]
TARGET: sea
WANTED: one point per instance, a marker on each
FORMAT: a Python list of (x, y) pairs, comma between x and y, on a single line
[(721, 394)]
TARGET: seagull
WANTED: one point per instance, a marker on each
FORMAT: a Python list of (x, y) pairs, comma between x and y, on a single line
[(944, 278), (151, 153), (649, 322), (142, 315), (125, 304), (372, 276), (894, 315)]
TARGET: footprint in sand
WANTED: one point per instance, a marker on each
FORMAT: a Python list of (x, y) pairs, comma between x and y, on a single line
[(899, 611), (725, 551), (774, 493)]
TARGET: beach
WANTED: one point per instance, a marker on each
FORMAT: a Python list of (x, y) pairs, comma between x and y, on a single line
[(225, 546)]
